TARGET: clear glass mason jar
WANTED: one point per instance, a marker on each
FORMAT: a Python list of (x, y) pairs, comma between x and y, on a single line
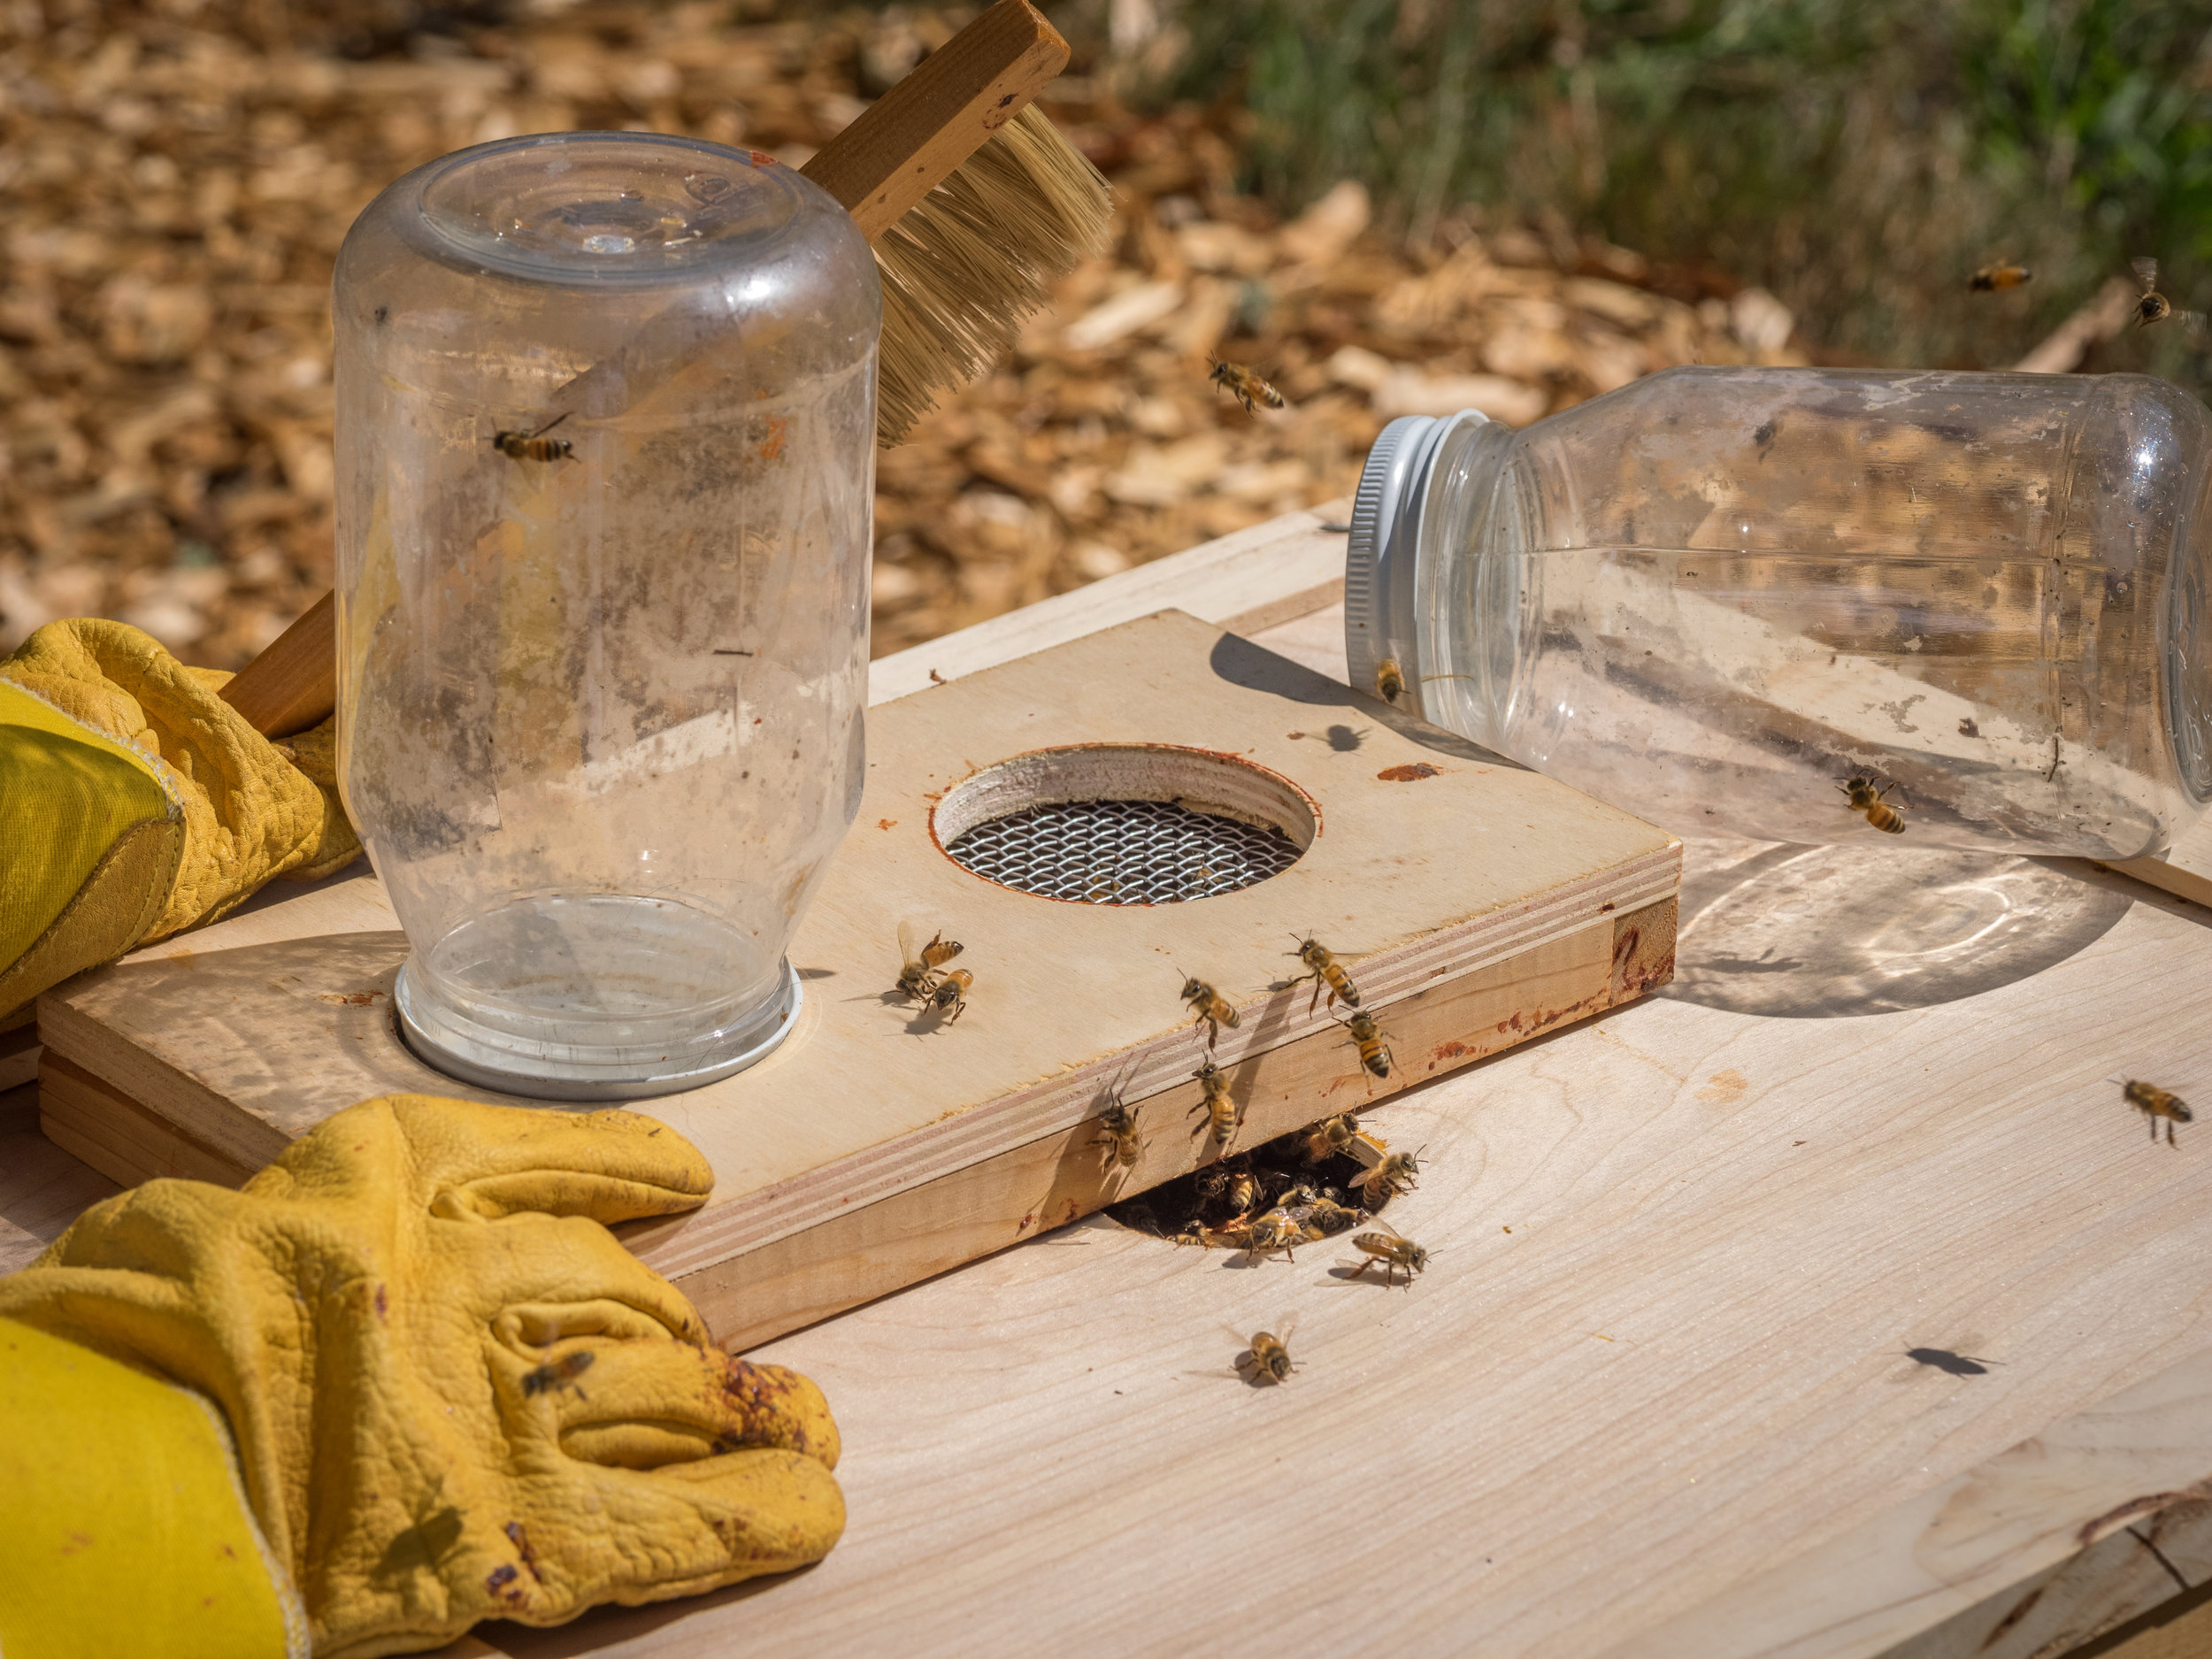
[(1719, 597), (606, 447)]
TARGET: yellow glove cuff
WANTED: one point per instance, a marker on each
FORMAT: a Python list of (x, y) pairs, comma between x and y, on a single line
[(94, 834), (125, 1529)]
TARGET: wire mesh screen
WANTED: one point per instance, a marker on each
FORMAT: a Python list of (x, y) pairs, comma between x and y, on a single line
[(1123, 852)]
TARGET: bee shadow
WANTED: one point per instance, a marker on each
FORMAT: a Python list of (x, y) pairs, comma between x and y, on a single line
[(1951, 1364)]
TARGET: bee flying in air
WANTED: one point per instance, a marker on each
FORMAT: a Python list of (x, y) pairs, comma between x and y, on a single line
[(1863, 796), (918, 977), (1394, 1250), (557, 1373), (1331, 1136), (1325, 970), (1118, 1134), (1266, 1357), (1367, 1037), (535, 446), (2153, 306), (1210, 1008), (2003, 274), (951, 996), (1246, 387), (1221, 1113), (2155, 1102), (1391, 1177), (1390, 679)]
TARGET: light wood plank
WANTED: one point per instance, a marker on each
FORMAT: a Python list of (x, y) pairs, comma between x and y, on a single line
[(1684, 1367), (2186, 868), (43, 1188), (2127, 1574), (1245, 582)]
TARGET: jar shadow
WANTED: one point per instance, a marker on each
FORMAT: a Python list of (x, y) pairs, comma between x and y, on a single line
[(1825, 933)]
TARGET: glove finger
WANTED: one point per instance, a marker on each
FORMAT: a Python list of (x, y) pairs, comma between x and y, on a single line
[(634, 1536), (648, 1404), (571, 1272), (465, 1159)]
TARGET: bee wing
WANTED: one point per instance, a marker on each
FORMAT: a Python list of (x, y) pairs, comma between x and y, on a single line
[(2146, 272), (909, 952), (1289, 1328)]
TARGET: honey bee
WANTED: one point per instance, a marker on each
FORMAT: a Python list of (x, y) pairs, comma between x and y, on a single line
[(1864, 797), (1331, 1136), (1327, 969), (1391, 1177), (557, 1373), (1246, 387), (1267, 1358), (1394, 1250), (535, 446), (1117, 1126), (918, 977), (1210, 1006), (1330, 1215), (2153, 306), (1374, 1052), (1244, 1193), (952, 994), (1221, 1113), (2155, 1102), (1234, 1235), (1278, 1229), (1390, 679), (1991, 278)]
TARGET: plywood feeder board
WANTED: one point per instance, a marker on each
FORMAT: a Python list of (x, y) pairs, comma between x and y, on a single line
[(1477, 903)]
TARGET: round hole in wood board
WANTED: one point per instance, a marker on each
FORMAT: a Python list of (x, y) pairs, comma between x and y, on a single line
[(1126, 823)]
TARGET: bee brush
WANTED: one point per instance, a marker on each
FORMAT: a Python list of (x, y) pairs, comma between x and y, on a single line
[(974, 203)]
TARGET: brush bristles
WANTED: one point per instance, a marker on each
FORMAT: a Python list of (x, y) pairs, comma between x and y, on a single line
[(974, 257)]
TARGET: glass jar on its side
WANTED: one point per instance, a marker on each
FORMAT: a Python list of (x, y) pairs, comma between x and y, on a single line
[(1748, 601), (605, 430)]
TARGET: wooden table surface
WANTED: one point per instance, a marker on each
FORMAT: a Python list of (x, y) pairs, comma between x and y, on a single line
[(1828, 1303)]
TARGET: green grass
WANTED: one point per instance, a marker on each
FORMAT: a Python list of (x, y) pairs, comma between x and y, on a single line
[(1860, 157)]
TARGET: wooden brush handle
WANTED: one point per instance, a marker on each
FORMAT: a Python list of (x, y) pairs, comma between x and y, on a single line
[(294, 683), (909, 141), (906, 144)]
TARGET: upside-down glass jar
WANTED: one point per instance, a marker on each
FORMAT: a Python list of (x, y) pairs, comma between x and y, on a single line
[(605, 440), (1966, 609)]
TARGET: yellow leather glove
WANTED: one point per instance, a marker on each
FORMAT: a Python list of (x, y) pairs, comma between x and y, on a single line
[(134, 803), (455, 1395)]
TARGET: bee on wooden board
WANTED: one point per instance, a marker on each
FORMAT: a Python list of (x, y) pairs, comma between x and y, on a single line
[(1278, 1229), (1246, 387), (1331, 1216), (918, 977), (2155, 1102), (1991, 278), (1391, 1177), (1394, 1250), (951, 994), (557, 1373), (535, 446), (1330, 1137), (1210, 1008), (1374, 1052), (1118, 1134), (1221, 1113), (1325, 969), (1863, 796), (1390, 679), (1266, 1357), (1234, 1235)]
